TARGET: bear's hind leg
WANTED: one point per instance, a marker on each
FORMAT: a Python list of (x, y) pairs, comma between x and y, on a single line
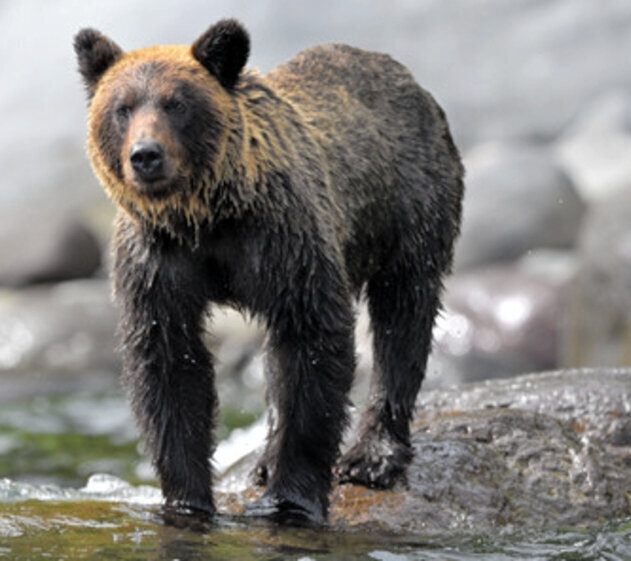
[(403, 301)]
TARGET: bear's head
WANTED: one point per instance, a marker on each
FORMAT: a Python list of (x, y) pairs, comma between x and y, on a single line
[(159, 118)]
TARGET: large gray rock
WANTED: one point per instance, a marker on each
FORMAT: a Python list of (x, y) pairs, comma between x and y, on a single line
[(599, 316), (46, 247), (543, 451), (518, 199), (595, 148)]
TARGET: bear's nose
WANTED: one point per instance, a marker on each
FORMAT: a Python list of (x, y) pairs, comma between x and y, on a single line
[(147, 160)]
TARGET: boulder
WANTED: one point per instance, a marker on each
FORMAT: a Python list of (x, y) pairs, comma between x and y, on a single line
[(517, 199), (46, 247), (542, 451), (595, 148), (599, 314)]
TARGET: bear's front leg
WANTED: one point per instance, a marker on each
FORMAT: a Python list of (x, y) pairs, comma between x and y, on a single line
[(310, 366), (167, 369)]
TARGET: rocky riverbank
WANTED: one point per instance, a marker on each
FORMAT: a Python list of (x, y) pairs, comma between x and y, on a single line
[(542, 451)]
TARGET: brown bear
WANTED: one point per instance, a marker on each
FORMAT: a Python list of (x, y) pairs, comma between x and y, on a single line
[(286, 196)]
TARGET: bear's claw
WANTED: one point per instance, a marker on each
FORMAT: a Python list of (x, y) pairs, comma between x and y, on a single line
[(375, 462)]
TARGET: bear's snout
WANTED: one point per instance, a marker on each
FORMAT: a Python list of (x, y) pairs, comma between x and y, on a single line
[(147, 160), (154, 162)]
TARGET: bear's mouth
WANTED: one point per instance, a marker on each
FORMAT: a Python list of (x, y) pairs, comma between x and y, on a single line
[(156, 189)]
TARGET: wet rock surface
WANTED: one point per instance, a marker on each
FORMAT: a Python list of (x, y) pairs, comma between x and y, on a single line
[(546, 451)]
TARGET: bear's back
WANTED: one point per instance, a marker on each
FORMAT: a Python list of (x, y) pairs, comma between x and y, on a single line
[(368, 113), (362, 99), (337, 78), (332, 66)]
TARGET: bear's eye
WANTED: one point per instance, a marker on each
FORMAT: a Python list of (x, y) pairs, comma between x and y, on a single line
[(175, 107), (123, 112)]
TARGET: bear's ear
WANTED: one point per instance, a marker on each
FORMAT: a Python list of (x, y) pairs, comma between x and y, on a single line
[(223, 50), (95, 53)]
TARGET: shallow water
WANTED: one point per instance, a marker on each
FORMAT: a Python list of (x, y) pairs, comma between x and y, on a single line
[(53, 506), (108, 519)]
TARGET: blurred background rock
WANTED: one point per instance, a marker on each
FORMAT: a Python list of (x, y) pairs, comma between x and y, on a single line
[(538, 95)]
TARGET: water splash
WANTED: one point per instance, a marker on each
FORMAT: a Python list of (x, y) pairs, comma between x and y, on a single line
[(99, 487)]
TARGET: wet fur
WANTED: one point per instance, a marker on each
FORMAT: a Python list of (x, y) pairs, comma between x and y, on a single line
[(291, 192)]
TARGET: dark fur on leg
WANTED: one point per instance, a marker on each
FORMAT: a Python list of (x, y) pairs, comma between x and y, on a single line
[(167, 369)]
